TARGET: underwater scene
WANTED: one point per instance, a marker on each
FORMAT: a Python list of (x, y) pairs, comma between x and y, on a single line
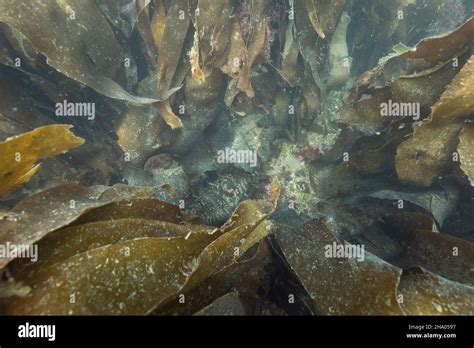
[(237, 157)]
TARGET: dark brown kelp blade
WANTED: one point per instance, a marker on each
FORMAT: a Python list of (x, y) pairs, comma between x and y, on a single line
[(372, 286), (442, 254), (340, 286), (425, 293), (429, 152), (429, 52)]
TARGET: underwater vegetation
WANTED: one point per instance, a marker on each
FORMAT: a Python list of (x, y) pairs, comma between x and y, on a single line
[(236, 157)]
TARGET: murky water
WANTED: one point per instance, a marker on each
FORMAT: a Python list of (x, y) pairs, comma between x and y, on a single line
[(236, 157)]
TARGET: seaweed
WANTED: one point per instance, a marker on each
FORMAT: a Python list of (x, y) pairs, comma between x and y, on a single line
[(19, 155), (108, 245), (363, 110)]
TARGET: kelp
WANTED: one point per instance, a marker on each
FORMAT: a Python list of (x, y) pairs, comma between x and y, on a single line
[(466, 144), (19, 155), (425, 293), (229, 304), (237, 51), (85, 64), (439, 202), (445, 255), (429, 152), (435, 75), (139, 246), (329, 14), (121, 14), (423, 87), (373, 154), (140, 130), (427, 54), (313, 14), (169, 49), (158, 22), (120, 250), (247, 276), (457, 100), (256, 42), (340, 286), (66, 203), (16, 116), (350, 286), (164, 109), (145, 30), (289, 56), (213, 31)]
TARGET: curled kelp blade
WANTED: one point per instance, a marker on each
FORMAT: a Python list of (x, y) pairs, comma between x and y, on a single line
[(247, 276), (19, 155), (65, 204), (427, 54), (339, 285)]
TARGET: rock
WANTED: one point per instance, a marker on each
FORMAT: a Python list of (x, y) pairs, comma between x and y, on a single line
[(141, 132), (293, 174), (164, 174), (215, 200)]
